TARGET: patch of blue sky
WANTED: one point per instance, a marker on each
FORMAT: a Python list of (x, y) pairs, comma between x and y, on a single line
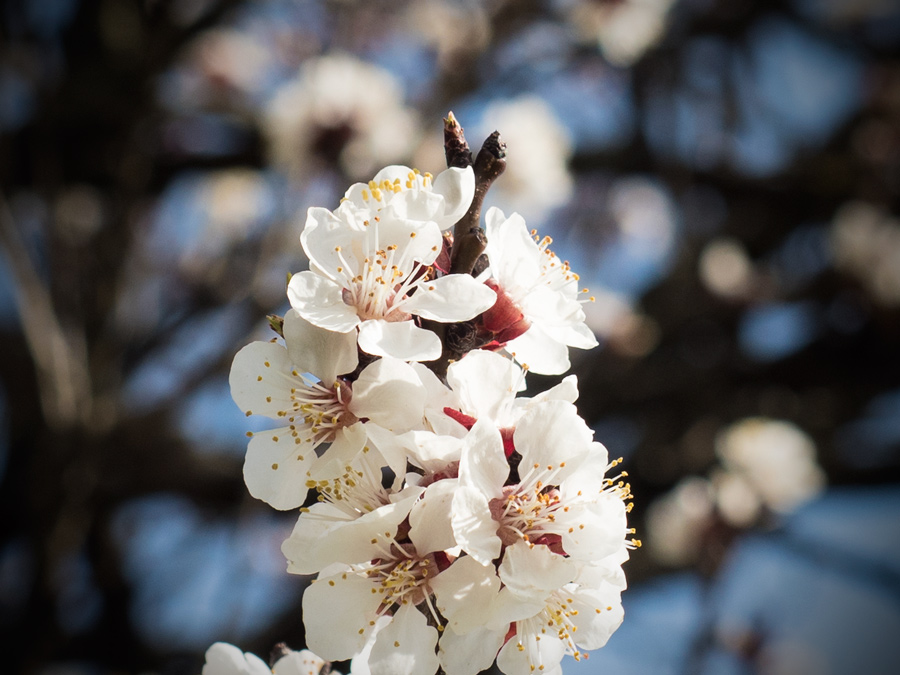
[(206, 134), (17, 570), (858, 525), (818, 617), (873, 440), (183, 213), (201, 340), (629, 266), (774, 331), (79, 601), (538, 50), (410, 61), (197, 579), (212, 422), (9, 310), (877, 20), (49, 18), (272, 22), (662, 618), (719, 661), (794, 90), (801, 257), (180, 217), (593, 102), (595, 105), (17, 102)]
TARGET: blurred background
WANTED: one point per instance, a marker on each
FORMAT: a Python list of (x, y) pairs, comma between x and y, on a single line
[(724, 175)]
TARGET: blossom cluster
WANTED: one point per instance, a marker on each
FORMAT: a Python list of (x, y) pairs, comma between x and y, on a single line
[(454, 521)]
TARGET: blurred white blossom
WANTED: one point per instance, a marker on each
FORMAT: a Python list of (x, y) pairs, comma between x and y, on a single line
[(537, 177), (866, 244), (776, 458), (339, 108), (676, 521), (624, 29), (452, 29), (538, 312)]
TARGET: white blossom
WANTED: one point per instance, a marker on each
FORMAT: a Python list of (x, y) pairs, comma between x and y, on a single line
[(315, 409), (561, 498), (538, 312), (552, 617), (457, 522), (372, 274), (339, 105)]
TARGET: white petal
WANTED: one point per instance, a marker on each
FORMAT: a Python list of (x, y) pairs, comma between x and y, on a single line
[(275, 467), (350, 541), (430, 528), (337, 612), (415, 241), (323, 234), (577, 335), (390, 393), (483, 464), (261, 379), (532, 571), (302, 662), (405, 646), (457, 187), (465, 593), (409, 205), (320, 300), (360, 663), (540, 352), (597, 528), (514, 256), (551, 433), (510, 607), (393, 447), (595, 627), (455, 297), (348, 443), (470, 653), (567, 390), (301, 548), (473, 525), (486, 383), (432, 452), (324, 353), (401, 339), (550, 307), (225, 659), (541, 656), (607, 570)]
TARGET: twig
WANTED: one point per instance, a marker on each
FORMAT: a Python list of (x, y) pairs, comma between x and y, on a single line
[(63, 375), (469, 240)]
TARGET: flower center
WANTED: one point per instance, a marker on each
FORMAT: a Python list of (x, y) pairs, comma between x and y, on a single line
[(383, 281), (322, 410), (554, 620), (358, 490), (403, 578), (527, 514)]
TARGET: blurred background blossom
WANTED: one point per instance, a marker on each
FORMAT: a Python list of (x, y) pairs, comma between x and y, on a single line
[(724, 176)]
